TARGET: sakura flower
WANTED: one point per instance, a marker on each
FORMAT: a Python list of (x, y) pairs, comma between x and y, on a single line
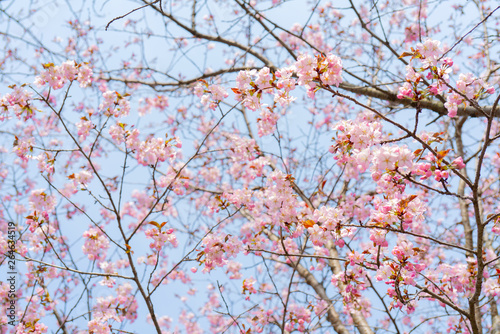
[(18, 101), (266, 123), (431, 50), (406, 91), (83, 177), (85, 76), (218, 249), (160, 238), (458, 163), (117, 133), (95, 245), (41, 201), (84, 126)]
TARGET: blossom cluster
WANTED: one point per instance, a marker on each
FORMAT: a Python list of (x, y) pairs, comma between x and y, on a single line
[(18, 102), (160, 238), (40, 200), (324, 69), (56, 76), (123, 306), (149, 151), (468, 88), (281, 202), (327, 227), (96, 244), (210, 95), (218, 249), (114, 104), (353, 142), (251, 85), (23, 147), (84, 126), (357, 145)]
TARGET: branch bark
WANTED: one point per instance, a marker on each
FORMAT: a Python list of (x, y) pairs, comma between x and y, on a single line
[(383, 95)]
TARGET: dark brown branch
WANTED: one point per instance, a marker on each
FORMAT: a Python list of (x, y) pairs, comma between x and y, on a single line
[(389, 96), (435, 106), (178, 83)]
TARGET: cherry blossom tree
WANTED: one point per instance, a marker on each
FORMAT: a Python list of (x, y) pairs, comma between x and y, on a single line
[(243, 166)]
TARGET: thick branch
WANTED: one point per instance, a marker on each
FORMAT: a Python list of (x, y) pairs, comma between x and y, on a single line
[(436, 106), (389, 96)]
